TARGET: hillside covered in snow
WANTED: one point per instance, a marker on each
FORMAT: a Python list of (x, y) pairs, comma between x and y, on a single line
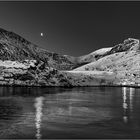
[(123, 61)]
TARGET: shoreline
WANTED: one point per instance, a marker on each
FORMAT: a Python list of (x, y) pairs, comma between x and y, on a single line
[(78, 86)]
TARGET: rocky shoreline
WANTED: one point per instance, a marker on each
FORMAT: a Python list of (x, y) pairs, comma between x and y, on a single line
[(30, 73), (36, 74)]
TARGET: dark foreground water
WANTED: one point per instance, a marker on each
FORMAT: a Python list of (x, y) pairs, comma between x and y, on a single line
[(91, 112)]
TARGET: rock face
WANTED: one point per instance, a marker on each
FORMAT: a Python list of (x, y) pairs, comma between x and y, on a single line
[(30, 73), (128, 44), (14, 47)]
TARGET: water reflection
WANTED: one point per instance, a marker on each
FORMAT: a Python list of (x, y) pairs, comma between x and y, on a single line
[(125, 105), (131, 94), (77, 113), (38, 106), (128, 94)]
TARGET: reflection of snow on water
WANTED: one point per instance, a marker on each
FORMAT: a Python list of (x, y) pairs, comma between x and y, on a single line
[(38, 105), (125, 102), (125, 119), (125, 105), (131, 94)]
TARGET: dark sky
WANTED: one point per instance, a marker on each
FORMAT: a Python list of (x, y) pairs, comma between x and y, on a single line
[(73, 28)]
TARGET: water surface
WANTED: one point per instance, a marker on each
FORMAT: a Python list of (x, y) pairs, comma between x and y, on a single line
[(88, 112)]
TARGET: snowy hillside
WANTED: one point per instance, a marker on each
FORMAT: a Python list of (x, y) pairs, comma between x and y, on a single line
[(124, 63), (93, 56)]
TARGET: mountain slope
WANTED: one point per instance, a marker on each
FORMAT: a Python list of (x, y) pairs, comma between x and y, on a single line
[(100, 53), (93, 56), (123, 64), (14, 47), (118, 54)]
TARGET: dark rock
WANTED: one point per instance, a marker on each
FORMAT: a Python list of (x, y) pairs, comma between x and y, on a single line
[(127, 45)]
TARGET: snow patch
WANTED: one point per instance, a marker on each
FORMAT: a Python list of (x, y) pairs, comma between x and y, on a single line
[(101, 51)]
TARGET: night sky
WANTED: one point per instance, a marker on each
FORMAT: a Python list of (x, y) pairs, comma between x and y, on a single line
[(73, 28)]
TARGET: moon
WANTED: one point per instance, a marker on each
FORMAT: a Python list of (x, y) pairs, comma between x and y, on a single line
[(41, 34)]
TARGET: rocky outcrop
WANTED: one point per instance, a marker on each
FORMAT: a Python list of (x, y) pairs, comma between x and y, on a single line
[(30, 73), (127, 45)]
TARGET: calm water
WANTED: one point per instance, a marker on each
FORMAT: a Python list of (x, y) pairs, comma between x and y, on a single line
[(91, 112)]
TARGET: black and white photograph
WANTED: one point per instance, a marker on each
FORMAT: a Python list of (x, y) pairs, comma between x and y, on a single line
[(69, 69)]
